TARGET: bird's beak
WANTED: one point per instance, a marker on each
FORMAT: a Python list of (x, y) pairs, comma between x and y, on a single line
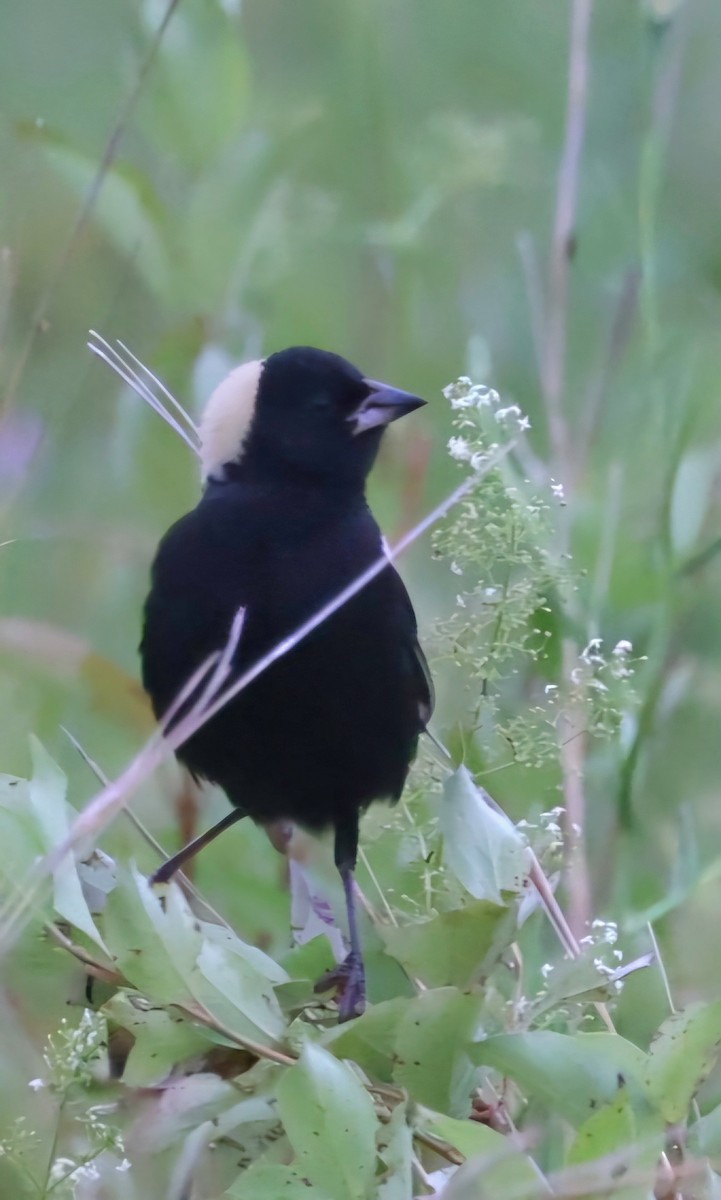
[(383, 405)]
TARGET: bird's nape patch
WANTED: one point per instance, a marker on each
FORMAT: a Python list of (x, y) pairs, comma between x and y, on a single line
[(227, 417)]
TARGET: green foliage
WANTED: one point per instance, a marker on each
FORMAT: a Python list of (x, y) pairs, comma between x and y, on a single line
[(363, 176), (348, 1107)]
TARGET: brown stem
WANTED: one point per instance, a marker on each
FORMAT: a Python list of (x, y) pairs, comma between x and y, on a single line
[(563, 238), (97, 969), (553, 383)]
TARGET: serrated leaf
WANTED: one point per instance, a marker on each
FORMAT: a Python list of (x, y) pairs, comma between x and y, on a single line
[(47, 795), (450, 949), (431, 1048), (484, 849), (681, 1055), (330, 1122), (572, 1075)]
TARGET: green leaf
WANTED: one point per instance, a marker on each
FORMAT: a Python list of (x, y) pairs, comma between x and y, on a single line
[(123, 211), (47, 794), (421, 1044), (162, 950), (482, 847), (690, 497), (238, 994), (266, 1181), (571, 1075), (22, 838), (162, 1039), (311, 960), (609, 1129), (431, 1048), (503, 1169), (177, 1110), (631, 1142), (370, 1040), (331, 1124), (704, 1136), (259, 962), (452, 948), (395, 1147), (253, 1123), (682, 1053), (150, 948)]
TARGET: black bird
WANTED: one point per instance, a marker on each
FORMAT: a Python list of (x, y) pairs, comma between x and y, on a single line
[(281, 528)]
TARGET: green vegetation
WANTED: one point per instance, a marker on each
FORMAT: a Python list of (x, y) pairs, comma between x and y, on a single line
[(406, 183)]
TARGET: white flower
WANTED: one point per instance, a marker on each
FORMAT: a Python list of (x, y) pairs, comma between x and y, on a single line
[(622, 647), (36, 1084), (124, 1165), (459, 448), (591, 654), (502, 414), (557, 489), (460, 602), (523, 424), (484, 397), (455, 569), (477, 460)]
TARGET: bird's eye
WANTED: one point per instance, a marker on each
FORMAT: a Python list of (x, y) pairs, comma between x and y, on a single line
[(320, 401)]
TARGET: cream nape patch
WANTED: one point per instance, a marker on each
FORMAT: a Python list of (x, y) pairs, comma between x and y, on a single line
[(227, 417)]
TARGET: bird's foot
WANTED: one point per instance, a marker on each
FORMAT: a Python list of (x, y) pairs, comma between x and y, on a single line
[(349, 981)]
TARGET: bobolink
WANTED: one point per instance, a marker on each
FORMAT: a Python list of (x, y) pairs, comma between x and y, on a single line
[(281, 528)]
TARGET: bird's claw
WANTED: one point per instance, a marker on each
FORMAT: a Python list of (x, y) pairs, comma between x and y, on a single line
[(348, 979)]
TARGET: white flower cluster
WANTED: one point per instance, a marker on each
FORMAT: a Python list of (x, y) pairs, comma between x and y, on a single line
[(545, 835), (73, 1052), (593, 661), (473, 402), (466, 394)]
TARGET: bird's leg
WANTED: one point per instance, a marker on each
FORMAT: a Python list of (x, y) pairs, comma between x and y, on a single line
[(349, 976), (168, 869)]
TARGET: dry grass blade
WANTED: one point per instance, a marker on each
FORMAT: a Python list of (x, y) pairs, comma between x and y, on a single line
[(103, 350), (159, 384)]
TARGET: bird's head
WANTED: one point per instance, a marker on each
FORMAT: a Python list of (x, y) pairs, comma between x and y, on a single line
[(300, 409)]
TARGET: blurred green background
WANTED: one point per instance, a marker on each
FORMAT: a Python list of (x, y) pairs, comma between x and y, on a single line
[(378, 179)]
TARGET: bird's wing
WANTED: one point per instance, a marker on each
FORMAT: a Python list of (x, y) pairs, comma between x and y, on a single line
[(426, 691), (420, 672)]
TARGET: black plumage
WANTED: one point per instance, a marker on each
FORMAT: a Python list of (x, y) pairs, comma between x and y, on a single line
[(281, 528)]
